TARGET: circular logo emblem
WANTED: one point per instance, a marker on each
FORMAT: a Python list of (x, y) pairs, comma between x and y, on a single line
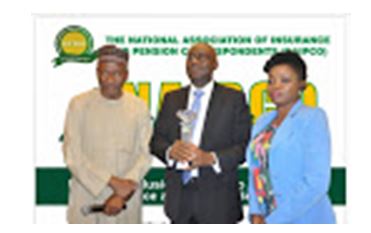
[(73, 44)]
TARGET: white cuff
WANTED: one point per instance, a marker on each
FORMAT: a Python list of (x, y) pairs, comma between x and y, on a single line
[(170, 162), (216, 165)]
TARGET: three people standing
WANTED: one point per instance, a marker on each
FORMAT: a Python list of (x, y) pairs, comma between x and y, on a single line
[(108, 142)]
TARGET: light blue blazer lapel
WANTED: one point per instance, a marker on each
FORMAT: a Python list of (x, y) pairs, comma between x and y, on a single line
[(262, 123), (287, 127)]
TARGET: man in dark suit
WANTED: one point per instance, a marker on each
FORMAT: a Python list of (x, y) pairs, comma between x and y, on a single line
[(202, 175)]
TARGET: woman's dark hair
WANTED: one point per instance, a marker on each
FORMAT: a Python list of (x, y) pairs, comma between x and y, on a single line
[(288, 58)]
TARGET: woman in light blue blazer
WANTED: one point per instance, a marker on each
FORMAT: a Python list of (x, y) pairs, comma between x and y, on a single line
[(289, 154)]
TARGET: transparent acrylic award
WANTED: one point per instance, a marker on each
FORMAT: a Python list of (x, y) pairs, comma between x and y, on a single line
[(187, 119)]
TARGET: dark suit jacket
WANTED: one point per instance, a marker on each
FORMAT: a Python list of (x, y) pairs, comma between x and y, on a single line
[(226, 132)]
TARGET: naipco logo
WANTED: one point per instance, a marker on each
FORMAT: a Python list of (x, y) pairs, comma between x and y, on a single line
[(74, 44)]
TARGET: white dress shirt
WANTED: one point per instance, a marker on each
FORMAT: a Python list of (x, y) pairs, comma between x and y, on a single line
[(197, 132)]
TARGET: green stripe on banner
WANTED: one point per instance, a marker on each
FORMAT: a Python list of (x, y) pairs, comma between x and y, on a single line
[(52, 186)]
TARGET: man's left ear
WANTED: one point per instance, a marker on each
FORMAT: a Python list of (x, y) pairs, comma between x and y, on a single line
[(126, 75)]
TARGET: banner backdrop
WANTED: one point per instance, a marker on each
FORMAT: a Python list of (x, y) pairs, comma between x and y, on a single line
[(64, 67)]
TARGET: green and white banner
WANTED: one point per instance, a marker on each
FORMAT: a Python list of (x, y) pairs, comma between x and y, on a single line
[(64, 66)]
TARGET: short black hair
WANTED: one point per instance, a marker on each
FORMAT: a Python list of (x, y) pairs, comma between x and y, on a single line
[(290, 58)]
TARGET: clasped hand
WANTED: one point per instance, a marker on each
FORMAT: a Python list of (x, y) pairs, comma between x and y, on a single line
[(123, 190), (187, 152)]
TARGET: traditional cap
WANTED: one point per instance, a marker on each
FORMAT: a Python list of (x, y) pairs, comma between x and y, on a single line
[(112, 53)]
